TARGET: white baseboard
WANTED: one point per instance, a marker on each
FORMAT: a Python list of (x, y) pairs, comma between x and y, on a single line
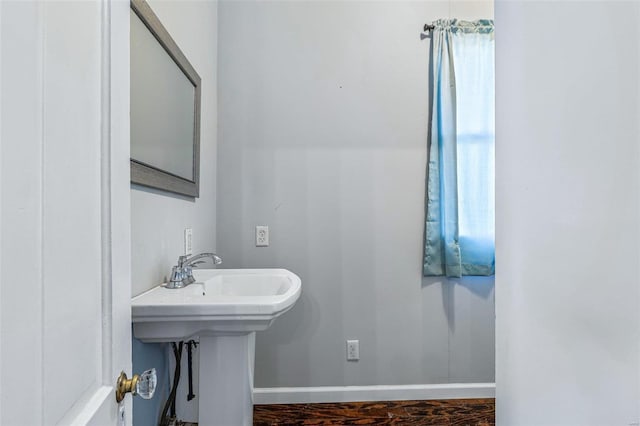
[(373, 393)]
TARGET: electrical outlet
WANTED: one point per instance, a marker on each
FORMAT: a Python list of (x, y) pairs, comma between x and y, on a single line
[(353, 350), (188, 241), (262, 236)]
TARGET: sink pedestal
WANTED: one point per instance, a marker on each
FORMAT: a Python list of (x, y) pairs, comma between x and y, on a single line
[(225, 308), (226, 379)]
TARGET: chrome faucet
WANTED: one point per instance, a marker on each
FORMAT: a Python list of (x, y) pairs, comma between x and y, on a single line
[(182, 273)]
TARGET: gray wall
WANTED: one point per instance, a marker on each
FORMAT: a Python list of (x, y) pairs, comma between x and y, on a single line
[(323, 111), (568, 203), (158, 219)]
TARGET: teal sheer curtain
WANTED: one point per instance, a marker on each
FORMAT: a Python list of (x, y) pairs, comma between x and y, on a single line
[(460, 229)]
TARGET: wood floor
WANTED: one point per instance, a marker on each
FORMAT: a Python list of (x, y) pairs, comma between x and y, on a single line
[(459, 412), (452, 412)]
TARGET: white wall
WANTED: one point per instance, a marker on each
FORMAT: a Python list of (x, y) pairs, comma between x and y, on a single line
[(323, 117), (568, 209), (158, 219)]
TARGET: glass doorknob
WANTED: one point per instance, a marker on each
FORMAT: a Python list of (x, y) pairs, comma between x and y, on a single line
[(143, 385)]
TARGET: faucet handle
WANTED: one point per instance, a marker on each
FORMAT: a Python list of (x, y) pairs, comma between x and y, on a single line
[(176, 274)]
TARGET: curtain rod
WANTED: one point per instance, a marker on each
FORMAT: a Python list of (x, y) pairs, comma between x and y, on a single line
[(431, 27)]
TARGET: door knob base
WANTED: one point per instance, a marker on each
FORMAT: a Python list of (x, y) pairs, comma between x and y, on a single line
[(124, 385)]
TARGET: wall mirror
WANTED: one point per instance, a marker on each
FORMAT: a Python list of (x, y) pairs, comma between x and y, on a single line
[(165, 108)]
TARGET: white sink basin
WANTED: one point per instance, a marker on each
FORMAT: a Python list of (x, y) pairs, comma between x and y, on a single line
[(221, 300), (224, 308)]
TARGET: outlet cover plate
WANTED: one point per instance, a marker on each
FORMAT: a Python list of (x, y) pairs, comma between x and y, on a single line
[(262, 236), (353, 350), (188, 241)]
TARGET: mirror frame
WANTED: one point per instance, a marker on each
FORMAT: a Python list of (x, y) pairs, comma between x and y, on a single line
[(148, 174)]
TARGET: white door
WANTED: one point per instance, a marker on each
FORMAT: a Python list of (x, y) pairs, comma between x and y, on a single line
[(64, 211)]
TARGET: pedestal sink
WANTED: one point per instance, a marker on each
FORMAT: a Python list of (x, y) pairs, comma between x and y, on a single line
[(224, 308)]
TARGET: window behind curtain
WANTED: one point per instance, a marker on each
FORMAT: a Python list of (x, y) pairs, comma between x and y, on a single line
[(475, 93), (459, 227)]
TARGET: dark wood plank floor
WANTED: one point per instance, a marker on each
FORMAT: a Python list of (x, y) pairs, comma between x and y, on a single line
[(459, 412)]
